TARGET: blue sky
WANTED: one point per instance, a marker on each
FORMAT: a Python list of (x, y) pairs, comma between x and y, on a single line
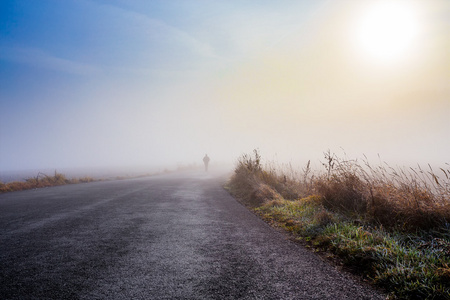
[(124, 83)]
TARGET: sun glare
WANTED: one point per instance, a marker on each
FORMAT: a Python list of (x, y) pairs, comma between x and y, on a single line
[(387, 30)]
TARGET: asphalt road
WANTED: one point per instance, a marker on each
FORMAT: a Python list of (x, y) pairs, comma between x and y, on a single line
[(176, 236)]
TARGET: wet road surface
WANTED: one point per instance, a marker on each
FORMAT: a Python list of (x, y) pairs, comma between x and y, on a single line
[(174, 236)]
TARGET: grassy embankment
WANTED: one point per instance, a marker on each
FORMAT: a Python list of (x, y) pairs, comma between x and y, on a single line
[(40, 181), (392, 226)]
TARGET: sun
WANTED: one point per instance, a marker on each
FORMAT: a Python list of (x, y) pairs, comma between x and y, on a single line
[(387, 30)]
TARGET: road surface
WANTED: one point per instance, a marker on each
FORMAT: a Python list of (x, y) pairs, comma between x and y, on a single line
[(174, 236)]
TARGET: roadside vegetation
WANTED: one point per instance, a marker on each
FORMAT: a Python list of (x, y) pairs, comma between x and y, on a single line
[(40, 181), (391, 226)]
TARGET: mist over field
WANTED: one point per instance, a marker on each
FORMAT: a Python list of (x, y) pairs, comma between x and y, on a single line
[(98, 84)]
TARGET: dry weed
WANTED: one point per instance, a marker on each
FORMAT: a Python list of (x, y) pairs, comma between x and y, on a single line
[(407, 199)]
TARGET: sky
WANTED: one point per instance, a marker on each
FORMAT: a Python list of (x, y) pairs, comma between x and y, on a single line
[(95, 83)]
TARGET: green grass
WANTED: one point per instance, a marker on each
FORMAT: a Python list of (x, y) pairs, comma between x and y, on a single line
[(392, 231)]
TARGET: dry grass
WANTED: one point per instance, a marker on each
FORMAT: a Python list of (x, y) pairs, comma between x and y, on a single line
[(255, 185), (40, 181), (392, 226), (407, 199), (404, 199)]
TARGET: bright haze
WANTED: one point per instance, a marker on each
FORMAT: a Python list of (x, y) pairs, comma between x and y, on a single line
[(95, 83)]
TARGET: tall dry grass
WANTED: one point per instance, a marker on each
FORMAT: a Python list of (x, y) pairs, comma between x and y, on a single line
[(389, 225), (41, 180), (408, 199), (402, 198), (256, 184)]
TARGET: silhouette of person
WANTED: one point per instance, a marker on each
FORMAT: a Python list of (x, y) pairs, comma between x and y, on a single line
[(206, 162)]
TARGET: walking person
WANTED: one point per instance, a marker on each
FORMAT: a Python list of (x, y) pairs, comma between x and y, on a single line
[(206, 162)]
